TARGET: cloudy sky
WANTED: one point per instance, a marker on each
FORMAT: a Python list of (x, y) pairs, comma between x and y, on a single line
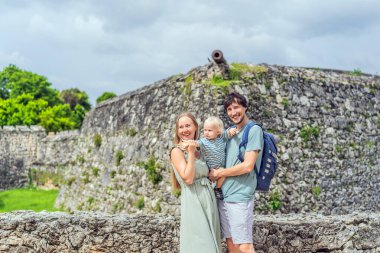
[(122, 45)]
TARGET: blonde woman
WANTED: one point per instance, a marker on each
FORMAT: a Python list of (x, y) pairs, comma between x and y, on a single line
[(200, 228)]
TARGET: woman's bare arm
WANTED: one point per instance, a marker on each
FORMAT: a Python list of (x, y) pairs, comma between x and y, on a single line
[(186, 170)]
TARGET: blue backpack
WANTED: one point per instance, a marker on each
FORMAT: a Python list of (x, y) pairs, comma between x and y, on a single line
[(268, 165)]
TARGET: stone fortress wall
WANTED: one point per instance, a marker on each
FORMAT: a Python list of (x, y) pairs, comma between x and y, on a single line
[(332, 173), (327, 123), (29, 232)]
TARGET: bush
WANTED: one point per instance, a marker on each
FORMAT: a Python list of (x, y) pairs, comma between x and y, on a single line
[(131, 132), (157, 207), (70, 181), (356, 72), (95, 171), (176, 193), (140, 203), (285, 102), (152, 169), (41, 178), (119, 156), (86, 177), (274, 201), (105, 96), (316, 191), (309, 132), (97, 140)]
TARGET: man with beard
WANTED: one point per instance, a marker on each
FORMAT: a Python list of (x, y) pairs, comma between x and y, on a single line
[(236, 208)]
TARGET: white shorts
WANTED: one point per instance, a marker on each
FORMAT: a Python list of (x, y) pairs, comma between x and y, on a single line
[(236, 221)]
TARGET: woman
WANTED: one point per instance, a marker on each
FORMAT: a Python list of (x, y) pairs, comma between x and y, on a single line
[(200, 228)]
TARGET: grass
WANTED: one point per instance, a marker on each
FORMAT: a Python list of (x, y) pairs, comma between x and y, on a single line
[(28, 199), (309, 132)]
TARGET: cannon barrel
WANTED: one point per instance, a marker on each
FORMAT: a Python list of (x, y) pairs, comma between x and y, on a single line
[(217, 56)]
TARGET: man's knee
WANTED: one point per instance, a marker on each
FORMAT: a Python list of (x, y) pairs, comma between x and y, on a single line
[(246, 248), (231, 246)]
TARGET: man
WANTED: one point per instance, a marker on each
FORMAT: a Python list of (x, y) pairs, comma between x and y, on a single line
[(236, 207)]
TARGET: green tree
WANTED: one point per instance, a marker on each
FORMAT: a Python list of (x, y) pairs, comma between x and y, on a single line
[(57, 118), (78, 115), (15, 82), (23, 110), (75, 97), (106, 95)]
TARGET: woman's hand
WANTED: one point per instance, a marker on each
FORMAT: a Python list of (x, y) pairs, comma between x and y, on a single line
[(191, 147), (188, 145)]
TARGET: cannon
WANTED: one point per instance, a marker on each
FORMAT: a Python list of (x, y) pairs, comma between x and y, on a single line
[(218, 58)]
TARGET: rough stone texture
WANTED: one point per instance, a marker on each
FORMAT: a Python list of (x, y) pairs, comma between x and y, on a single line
[(334, 173), (95, 232), (18, 149)]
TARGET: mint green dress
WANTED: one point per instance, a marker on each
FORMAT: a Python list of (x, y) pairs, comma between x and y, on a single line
[(200, 227)]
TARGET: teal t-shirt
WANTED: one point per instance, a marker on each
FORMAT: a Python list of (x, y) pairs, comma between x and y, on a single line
[(242, 188)]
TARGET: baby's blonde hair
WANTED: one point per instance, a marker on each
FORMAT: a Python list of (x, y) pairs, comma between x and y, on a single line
[(215, 121)]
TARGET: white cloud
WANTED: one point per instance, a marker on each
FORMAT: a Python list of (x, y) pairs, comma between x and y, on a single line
[(122, 45)]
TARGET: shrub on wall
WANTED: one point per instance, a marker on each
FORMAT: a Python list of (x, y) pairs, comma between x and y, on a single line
[(119, 156), (97, 140), (152, 169), (309, 132)]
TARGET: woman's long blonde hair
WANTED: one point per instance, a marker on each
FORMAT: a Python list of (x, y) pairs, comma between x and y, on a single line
[(177, 140)]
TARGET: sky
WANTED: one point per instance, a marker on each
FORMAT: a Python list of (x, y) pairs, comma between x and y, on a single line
[(123, 45)]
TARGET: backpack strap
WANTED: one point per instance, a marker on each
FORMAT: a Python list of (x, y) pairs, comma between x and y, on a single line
[(244, 142)]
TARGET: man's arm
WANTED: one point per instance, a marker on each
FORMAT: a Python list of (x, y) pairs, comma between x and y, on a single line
[(246, 166)]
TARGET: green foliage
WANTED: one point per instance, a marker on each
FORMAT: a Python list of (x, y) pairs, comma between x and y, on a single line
[(285, 103), (105, 96), (338, 148), (80, 159), (152, 169), (78, 116), (140, 203), (97, 140), (176, 193), (74, 97), (268, 84), (238, 69), (219, 81), (90, 200), (189, 79), (309, 132), (70, 181), (157, 207), (95, 171), (356, 72), (131, 132), (57, 118), (14, 82), (112, 174), (118, 206), (28, 199), (186, 89), (41, 178), (316, 191), (85, 177), (27, 99), (370, 144), (22, 110), (235, 74), (118, 157), (274, 202)]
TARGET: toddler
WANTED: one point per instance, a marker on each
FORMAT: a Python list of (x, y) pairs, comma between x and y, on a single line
[(213, 147)]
